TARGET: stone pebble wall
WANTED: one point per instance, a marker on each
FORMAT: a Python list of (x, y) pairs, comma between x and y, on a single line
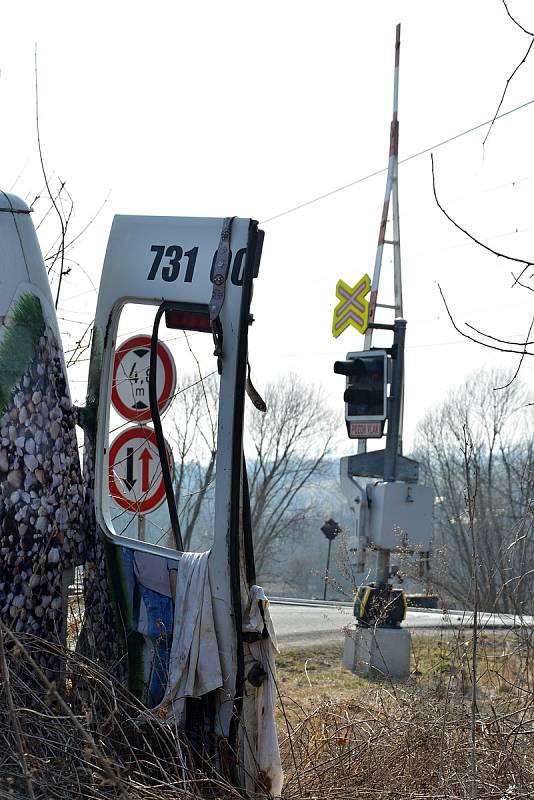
[(47, 516), (42, 513), (101, 641)]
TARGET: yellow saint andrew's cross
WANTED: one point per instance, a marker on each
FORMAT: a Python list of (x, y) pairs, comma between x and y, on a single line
[(353, 308)]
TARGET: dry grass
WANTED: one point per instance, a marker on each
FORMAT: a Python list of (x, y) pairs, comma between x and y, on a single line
[(346, 737), (341, 736), (92, 740)]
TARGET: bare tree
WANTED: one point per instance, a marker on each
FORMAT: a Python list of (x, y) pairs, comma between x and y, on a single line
[(502, 456), (290, 443), (288, 446), (194, 436)]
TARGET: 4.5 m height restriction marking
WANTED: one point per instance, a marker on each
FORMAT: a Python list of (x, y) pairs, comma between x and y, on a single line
[(131, 371), (135, 477)]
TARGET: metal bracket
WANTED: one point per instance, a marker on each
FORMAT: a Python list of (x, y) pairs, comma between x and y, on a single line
[(371, 465), (222, 262)]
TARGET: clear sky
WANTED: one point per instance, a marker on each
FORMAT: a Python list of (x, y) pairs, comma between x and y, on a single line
[(249, 108)]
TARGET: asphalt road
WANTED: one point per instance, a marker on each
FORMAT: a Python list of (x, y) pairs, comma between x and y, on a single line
[(299, 624)]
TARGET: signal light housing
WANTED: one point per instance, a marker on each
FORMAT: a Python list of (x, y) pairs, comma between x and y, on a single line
[(365, 393)]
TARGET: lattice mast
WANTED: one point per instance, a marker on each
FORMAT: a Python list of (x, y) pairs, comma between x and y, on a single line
[(391, 196)]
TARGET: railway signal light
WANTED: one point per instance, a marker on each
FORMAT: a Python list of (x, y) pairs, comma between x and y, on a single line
[(365, 393), (331, 528)]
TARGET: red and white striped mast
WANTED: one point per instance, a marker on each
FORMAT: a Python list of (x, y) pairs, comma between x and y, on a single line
[(392, 193)]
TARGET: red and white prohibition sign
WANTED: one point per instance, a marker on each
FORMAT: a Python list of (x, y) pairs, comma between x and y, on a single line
[(131, 370), (135, 477)]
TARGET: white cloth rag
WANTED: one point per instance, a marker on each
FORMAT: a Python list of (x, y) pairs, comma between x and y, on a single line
[(194, 663), (256, 618)]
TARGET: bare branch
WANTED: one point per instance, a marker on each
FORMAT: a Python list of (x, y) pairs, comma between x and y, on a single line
[(513, 73), (473, 238), (54, 203), (516, 373), (519, 283), (472, 338), (497, 339), (515, 21), (506, 88)]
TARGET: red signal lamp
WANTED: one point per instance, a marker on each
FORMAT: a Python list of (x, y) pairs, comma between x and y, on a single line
[(190, 318)]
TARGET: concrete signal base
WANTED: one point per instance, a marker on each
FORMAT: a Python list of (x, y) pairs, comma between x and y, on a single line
[(378, 652)]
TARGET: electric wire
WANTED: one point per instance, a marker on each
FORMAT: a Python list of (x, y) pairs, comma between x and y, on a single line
[(345, 186)]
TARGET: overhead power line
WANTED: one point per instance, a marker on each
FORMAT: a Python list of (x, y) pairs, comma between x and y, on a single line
[(401, 161)]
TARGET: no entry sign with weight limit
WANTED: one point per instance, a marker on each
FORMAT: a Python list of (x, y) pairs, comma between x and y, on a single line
[(135, 477), (131, 371)]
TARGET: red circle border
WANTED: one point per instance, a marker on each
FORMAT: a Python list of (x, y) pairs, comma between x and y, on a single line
[(149, 435), (168, 387)]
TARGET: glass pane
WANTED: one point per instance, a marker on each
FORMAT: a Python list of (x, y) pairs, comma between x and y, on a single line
[(365, 391), (187, 386)]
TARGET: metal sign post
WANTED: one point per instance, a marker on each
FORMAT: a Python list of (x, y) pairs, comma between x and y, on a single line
[(395, 402), (141, 535), (330, 529), (393, 435)]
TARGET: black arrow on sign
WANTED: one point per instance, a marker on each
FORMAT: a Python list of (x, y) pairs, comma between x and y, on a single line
[(129, 480)]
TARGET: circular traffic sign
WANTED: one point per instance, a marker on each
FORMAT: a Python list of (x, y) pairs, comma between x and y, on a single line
[(135, 476), (131, 370)]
